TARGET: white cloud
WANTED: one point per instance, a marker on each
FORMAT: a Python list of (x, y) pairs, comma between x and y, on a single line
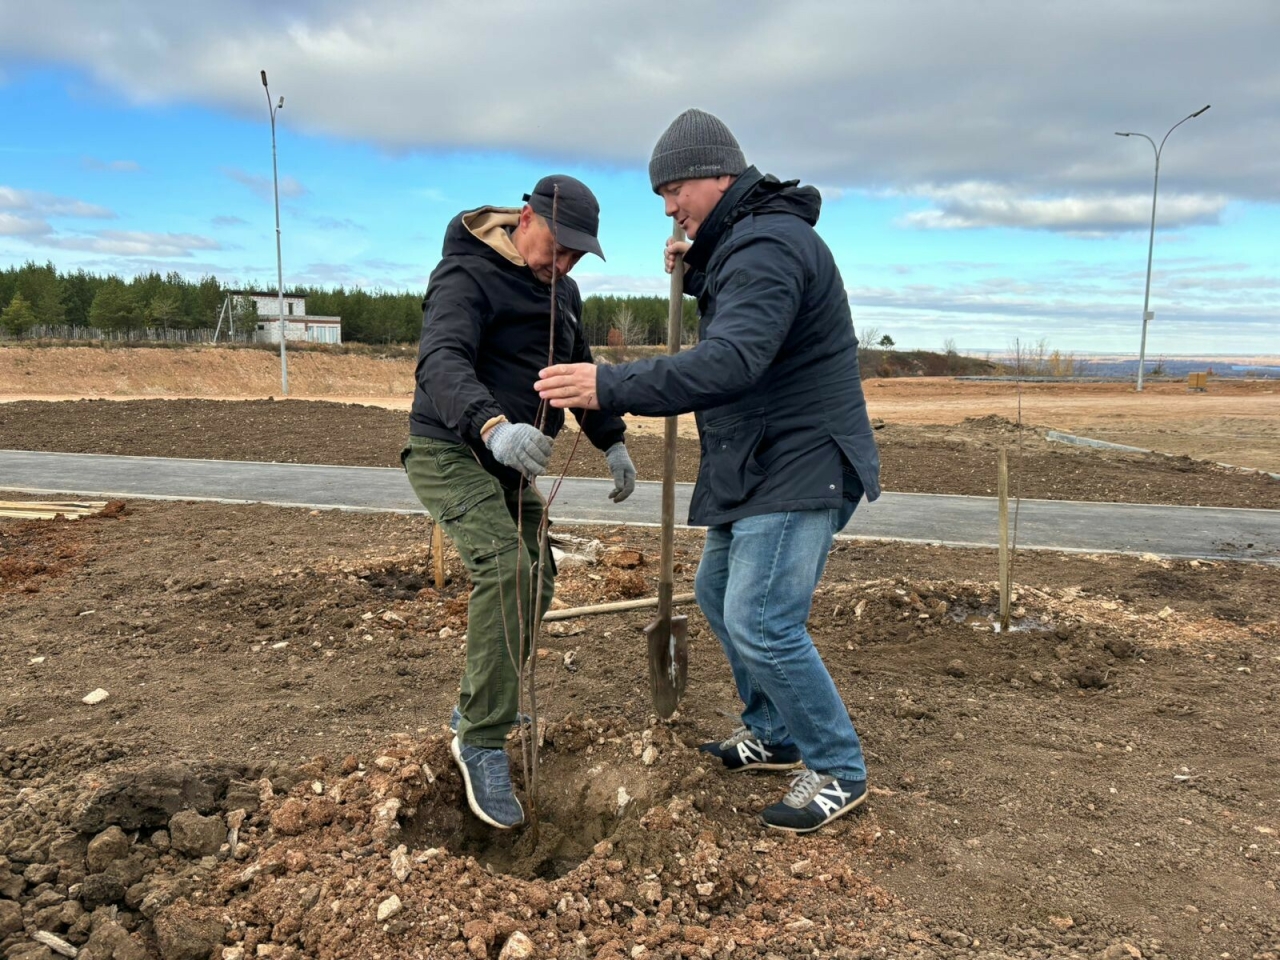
[(263, 186), (972, 205), (853, 94), (652, 285), (134, 243), (337, 223), (113, 166), (12, 225), (49, 205)]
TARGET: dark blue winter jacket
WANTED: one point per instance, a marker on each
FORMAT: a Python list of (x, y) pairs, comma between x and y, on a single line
[(774, 377)]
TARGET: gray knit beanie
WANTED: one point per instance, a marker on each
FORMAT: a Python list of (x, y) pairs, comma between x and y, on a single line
[(695, 145)]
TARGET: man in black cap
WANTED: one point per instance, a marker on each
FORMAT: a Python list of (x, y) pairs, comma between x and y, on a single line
[(787, 449), (474, 449)]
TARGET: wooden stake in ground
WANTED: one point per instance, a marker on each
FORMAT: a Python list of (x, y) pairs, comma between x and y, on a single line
[(1002, 491), (437, 553)]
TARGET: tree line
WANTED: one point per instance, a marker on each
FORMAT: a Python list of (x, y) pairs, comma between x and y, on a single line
[(37, 298)]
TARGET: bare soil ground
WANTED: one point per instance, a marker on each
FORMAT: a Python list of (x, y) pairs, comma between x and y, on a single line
[(1236, 422), (269, 773), (916, 458), (1100, 783)]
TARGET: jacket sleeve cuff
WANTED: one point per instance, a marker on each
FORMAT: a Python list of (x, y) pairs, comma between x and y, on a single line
[(475, 418)]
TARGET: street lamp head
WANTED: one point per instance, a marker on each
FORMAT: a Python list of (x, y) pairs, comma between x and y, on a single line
[(280, 105), (1202, 110), (1119, 134), (264, 78)]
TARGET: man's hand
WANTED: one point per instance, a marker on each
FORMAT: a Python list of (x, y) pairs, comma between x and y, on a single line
[(569, 385), (623, 470), (520, 446), (676, 249)]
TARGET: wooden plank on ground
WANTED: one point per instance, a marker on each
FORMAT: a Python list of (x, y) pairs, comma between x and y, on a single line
[(48, 509)]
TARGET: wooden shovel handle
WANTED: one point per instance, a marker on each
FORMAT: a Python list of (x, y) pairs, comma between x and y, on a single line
[(675, 324)]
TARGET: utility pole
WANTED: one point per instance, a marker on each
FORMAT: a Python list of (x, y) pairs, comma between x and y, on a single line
[(275, 181)]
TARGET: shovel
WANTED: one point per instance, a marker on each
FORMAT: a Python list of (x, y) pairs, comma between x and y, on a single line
[(668, 635)]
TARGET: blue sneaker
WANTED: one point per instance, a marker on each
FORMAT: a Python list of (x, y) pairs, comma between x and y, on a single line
[(745, 751), (814, 800), (455, 718), (487, 777)]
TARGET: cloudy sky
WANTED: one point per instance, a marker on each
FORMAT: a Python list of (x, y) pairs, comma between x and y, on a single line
[(974, 188)]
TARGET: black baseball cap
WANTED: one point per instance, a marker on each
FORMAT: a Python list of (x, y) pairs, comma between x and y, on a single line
[(577, 213)]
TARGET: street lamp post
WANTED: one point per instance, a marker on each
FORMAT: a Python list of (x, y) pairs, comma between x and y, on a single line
[(1151, 242), (275, 181)]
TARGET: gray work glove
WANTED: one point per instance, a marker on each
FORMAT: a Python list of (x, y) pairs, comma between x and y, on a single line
[(623, 470), (521, 446)]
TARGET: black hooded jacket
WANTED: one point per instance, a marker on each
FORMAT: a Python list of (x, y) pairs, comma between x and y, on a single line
[(774, 377), (485, 329)]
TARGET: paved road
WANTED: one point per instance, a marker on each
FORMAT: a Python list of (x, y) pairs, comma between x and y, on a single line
[(1188, 532)]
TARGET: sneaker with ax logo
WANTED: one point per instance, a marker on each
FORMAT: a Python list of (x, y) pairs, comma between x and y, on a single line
[(814, 800), (745, 751)]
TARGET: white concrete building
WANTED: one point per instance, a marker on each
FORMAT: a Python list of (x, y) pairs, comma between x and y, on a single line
[(299, 325)]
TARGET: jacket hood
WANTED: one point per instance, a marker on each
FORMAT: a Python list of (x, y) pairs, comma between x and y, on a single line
[(484, 232), (751, 194), (771, 195)]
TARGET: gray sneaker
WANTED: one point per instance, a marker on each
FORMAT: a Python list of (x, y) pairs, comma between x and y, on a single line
[(455, 718), (487, 776)]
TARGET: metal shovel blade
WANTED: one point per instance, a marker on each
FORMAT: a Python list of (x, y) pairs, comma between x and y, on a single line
[(668, 662)]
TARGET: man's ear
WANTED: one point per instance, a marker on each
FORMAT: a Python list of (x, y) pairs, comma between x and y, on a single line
[(526, 216)]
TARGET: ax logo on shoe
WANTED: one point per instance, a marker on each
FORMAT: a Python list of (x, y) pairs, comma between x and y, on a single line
[(753, 751), (832, 799)]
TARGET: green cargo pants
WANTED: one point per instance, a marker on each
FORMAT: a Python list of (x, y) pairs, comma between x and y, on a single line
[(479, 515)]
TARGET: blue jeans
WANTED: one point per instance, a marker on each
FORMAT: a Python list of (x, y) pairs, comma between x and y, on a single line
[(755, 585)]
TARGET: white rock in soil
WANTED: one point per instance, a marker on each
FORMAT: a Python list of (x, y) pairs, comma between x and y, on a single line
[(446, 633), (650, 756), (389, 907), (54, 943), (517, 947), (387, 811), (233, 953), (400, 864), (97, 696)]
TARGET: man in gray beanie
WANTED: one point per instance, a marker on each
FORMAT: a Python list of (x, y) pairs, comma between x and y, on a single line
[(787, 449)]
